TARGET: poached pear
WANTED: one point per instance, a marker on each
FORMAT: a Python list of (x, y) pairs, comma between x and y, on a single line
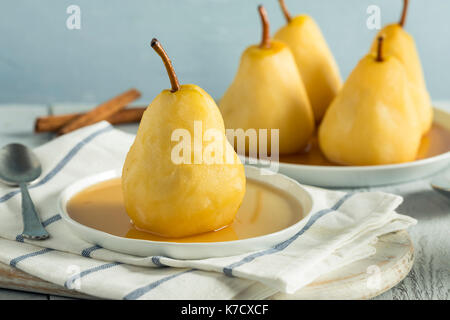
[(314, 60), (372, 120), (174, 199), (268, 93), (400, 44)]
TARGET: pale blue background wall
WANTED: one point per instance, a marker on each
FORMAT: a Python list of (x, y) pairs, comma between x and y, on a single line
[(41, 61)]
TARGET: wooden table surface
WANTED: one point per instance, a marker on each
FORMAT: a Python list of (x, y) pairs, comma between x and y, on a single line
[(430, 275)]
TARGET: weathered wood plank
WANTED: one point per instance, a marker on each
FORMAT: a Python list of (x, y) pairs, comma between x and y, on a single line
[(17, 124), (6, 294), (52, 297), (430, 275), (442, 104)]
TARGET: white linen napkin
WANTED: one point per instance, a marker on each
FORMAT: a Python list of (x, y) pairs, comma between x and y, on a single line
[(342, 230)]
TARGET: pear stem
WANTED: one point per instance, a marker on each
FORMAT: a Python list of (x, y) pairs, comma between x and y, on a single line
[(286, 13), (156, 45), (380, 50), (404, 12), (265, 41)]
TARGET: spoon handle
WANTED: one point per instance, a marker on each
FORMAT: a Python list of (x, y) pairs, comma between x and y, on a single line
[(32, 226)]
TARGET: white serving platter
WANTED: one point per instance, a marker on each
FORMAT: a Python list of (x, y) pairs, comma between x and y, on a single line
[(189, 250), (364, 176)]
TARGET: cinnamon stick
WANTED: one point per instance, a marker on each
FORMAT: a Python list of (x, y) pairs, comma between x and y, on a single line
[(101, 112), (55, 123)]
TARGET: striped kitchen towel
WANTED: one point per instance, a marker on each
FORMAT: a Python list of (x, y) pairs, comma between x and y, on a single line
[(342, 230)]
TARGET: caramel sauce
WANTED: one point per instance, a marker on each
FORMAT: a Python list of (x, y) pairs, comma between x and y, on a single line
[(434, 142), (264, 210)]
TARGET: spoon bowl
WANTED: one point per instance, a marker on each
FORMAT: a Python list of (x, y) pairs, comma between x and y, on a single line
[(18, 164)]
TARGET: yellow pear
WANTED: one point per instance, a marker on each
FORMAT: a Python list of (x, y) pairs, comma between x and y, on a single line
[(372, 120), (177, 192), (268, 93), (400, 44), (314, 59)]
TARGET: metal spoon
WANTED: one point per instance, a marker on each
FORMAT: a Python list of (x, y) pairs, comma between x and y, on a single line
[(20, 166), (442, 184)]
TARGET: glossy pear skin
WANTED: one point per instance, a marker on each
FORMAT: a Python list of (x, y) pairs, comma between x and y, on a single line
[(268, 93), (315, 61), (177, 200), (400, 44), (372, 120)]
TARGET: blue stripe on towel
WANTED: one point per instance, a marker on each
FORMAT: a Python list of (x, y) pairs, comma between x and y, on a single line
[(157, 261), (87, 252), (61, 164), (45, 223), (228, 270), (50, 220), (69, 283), (15, 261), (139, 292)]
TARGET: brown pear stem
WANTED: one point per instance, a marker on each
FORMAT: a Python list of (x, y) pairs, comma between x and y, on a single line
[(404, 12), (380, 50), (265, 41), (286, 13), (156, 45)]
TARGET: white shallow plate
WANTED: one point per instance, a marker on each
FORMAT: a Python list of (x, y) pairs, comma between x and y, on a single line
[(188, 250), (362, 176)]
